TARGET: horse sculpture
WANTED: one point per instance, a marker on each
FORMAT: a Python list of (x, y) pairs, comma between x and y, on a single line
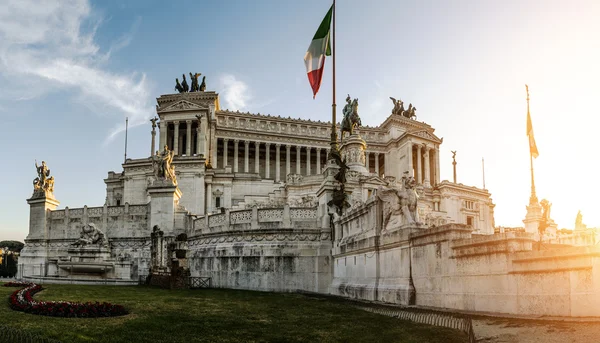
[(351, 119)]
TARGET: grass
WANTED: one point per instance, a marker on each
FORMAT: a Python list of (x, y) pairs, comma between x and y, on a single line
[(216, 315)]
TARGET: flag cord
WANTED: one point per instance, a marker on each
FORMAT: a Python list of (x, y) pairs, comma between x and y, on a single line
[(333, 105)]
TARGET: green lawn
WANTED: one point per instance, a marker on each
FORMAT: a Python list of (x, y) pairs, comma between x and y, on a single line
[(217, 315)]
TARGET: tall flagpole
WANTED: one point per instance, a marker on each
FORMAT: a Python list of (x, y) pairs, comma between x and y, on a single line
[(483, 171), (533, 199), (333, 105), (126, 125)]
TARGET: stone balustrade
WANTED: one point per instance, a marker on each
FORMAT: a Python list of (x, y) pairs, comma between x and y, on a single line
[(285, 217), (114, 221)]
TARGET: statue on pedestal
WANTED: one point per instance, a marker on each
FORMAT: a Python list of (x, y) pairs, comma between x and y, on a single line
[(162, 165), (351, 119), (400, 204), (43, 184), (91, 235)]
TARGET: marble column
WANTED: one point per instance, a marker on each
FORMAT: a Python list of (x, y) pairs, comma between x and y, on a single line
[(377, 163), (188, 138), (246, 148), (256, 157), (298, 159), (427, 171), (267, 161), (419, 157), (153, 144), (214, 161), (318, 161), (176, 138), (277, 161), (287, 160), (162, 126), (235, 154), (409, 155), (308, 160), (202, 137), (367, 162), (208, 198), (199, 144), (225, 144), (437, 165)]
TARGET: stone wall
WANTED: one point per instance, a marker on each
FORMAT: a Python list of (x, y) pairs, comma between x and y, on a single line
[(115, 221), (126, 228), (271, 249), (449, 267)]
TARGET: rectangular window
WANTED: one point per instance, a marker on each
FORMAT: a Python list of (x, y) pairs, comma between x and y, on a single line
[(218, 202), (470, 221)]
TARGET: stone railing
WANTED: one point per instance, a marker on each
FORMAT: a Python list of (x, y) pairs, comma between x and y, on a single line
[(360, 219), (255, 219), (66, 224)]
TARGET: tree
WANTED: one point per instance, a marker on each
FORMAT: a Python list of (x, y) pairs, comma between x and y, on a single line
[(11, 265), (15, 246)]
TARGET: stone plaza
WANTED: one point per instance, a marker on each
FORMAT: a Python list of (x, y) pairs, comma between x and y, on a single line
[(249, 201)]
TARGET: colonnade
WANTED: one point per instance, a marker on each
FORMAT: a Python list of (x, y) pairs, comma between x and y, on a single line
[(263, 153), (187, 140), (424, 163)]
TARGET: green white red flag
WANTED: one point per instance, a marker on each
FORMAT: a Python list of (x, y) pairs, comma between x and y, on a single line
[(318, 49)]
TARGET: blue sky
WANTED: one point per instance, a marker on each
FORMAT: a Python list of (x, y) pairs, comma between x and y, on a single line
[(71, 71)]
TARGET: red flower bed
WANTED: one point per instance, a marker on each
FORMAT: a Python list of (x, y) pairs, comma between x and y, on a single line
[(22, 300)]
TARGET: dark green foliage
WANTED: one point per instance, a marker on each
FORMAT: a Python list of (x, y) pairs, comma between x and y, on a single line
[(14, 246)]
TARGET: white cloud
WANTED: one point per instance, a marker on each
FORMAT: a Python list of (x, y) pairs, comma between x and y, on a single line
[(234, 92), (53, 41)]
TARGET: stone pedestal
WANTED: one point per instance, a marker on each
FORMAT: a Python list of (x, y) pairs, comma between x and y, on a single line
[(325, 193), (164, 198), (38, 210), (353, 151), (533, 217)]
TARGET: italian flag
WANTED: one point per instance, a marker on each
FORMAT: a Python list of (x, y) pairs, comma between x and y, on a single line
[(318, 49)]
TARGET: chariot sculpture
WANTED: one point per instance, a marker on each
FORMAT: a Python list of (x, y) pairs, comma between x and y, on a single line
[(183, 87), (399, 109)]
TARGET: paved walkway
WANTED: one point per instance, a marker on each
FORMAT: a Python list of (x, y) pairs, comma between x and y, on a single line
[(504, 330)]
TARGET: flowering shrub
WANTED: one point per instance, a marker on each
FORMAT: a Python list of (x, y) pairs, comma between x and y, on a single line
[(22, 300)]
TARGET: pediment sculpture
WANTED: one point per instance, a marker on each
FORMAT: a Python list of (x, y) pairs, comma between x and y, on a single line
[(399, 203)]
